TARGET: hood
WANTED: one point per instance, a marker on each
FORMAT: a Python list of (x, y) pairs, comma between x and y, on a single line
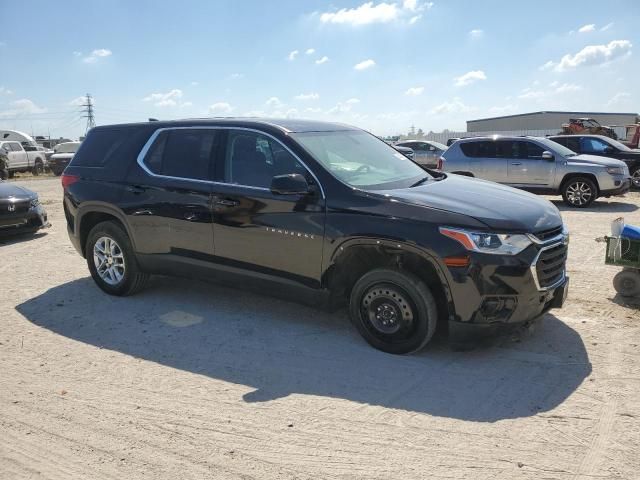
[(8, 190), (501, 208), (595, 159)]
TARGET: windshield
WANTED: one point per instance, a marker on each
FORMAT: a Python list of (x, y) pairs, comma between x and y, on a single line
[(67, 147), (617, 144), (556, 147), (439, 146), (361, 160)]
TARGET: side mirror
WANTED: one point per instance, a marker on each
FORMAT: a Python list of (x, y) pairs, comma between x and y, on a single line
[(291, 184), (546, 155)]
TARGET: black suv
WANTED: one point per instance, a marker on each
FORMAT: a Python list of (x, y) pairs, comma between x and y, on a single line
[(605, 147), (324, 212)]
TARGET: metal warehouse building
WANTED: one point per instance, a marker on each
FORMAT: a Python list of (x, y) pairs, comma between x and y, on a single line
[(545, 121)]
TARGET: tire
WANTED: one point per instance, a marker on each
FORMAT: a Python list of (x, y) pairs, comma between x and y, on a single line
[(635, 178), (627, 283), (38, 168), (579, 192), (125, 277), (379, 297)]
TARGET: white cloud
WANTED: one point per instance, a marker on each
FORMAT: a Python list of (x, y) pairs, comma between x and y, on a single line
[(469, 78), (606, 27), (352, 101), (76, 102), (168, 99), (220, 108), (24, 106), (503, 108), (310, 51), (307, 96), (292, 55), (547, 65), (529, 94), (619, 98), (322, 60), (587, 28), (476, 33), (364, 65), (568, 87), (97, 55), (414, 91), (313, 110), (595, 55), (5, 91), (369, 13), (454, 106), (236, 76), (274, 102)]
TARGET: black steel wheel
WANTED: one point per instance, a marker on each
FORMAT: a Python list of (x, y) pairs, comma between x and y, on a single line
[(393, 310)]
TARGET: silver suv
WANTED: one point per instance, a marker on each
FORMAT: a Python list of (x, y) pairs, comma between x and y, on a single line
[(538, 165)]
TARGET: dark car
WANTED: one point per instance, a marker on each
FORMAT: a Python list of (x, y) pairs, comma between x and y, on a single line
[(320, 212), (20, 210), (426, 152), (604, 147)]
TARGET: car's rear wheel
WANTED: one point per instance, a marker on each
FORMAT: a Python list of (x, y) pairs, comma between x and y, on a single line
[(38, 168), (635, 178), (579, 192), (393, 310), (111, 260), (627, 283)]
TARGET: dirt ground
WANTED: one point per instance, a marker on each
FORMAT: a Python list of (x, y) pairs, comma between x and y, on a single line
[(192, 380)]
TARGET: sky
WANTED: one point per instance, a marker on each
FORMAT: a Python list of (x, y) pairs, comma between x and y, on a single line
[(380, 65)]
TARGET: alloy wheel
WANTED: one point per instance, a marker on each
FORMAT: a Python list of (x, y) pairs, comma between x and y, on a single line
[(109, 260), (635, 178), (579, 193)]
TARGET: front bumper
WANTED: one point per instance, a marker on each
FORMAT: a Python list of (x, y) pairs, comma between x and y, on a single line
[(32, 220), (623, 187)]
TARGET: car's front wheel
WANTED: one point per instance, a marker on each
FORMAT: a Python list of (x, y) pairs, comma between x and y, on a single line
[(627, 283), (393, 310), (111, 260), (579, 192)]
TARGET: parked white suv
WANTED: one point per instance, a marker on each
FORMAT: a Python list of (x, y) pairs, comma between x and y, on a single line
[(538, 165)]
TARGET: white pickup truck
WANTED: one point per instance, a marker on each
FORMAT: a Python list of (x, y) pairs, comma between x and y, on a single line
[(17, 159)]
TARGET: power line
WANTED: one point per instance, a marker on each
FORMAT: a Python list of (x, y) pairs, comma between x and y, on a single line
[(89, 114)]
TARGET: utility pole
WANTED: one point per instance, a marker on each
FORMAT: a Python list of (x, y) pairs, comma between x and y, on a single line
[(89, 114)]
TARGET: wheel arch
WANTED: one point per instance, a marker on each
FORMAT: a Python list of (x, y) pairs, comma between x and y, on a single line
[(90, 214), (569, 176), (353, 258)]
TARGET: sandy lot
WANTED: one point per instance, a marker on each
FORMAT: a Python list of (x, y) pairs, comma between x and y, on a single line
[(192, 380)]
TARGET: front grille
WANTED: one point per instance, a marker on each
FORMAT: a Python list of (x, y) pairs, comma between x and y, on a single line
[(545, 235), (21, 206), (550, 266)]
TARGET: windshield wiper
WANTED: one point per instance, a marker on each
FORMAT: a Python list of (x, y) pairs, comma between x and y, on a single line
[(420, 182)]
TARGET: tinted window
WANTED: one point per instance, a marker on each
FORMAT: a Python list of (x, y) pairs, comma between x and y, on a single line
[(573, 143), (253, 159), (468, 148), (562, 141), (187, 153), (99, 148), (507, 149), (533, 150), (486, 149), (592, 145)]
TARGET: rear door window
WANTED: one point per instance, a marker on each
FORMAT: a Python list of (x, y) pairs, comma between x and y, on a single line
[(184, 153), (533, 150)]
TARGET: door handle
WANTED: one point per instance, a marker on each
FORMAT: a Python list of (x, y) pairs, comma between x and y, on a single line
[(191, 216), (135, 189), (516, 163), (225, 202)]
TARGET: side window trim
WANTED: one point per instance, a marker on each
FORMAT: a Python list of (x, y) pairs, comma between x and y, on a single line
[(147, 146)]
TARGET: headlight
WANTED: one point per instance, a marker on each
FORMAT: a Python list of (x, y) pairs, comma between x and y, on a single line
[(494, 243), (615, 170), (35, 202)]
